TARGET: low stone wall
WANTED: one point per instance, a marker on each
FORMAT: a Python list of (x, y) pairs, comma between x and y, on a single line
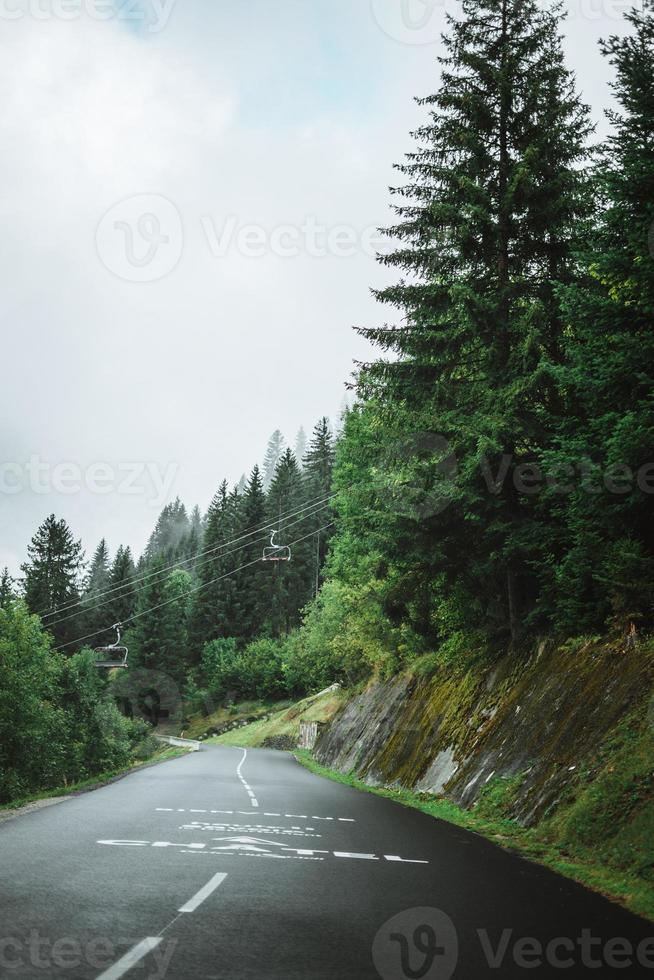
[(309, 731)]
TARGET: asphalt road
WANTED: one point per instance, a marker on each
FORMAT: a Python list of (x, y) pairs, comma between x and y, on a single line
[(228, 865)]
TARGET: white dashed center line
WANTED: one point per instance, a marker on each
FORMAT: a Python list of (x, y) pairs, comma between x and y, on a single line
[(131, 958), (248, 788), (204, 893), (134, 956)]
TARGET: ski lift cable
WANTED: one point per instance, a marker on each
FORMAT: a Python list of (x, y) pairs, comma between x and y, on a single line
[(98, 605), (183, 595), (141, 578), (317, 503)]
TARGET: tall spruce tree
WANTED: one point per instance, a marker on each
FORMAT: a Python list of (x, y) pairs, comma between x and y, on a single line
[(487, 225), (212, 605), (51, 578), (273, 455), (606, 568), (318, 469), (122, 597), (157, 637), (170, 534), (290, 584), (95, 612), (300, 447), (250, 607), (6, 588)]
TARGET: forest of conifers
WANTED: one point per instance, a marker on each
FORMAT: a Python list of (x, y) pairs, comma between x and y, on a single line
[(492, 483)]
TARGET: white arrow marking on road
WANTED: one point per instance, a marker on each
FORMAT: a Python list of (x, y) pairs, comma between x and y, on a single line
[(203, 894), (249, 840), (131, 958)]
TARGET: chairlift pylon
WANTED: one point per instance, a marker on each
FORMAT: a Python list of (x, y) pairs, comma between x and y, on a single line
[(113, 656), (276, 552)]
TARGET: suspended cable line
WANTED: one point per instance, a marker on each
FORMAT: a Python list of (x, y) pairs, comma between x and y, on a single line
[(197, 588), (318, 503), (98, 605)]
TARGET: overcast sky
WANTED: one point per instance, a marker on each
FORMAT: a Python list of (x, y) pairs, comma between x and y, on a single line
[(188, 195)]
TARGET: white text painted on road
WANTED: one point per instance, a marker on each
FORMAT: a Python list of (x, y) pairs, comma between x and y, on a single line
[(253, 846), (250, 813)]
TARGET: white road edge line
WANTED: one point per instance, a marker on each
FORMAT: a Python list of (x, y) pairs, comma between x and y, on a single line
[(203, 894), (131, 958)]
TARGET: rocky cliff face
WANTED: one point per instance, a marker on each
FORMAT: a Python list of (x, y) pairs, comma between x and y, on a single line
[(537, 721)]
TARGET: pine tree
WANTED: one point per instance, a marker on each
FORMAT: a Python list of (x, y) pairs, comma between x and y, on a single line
[(7, 593), (193, 542), (318, 468), (250, 606), (94, 609), (158, 637), (170, 533), (300, 445), (52, 578), (290, 584), (273, 455), (212, 606), (122, 597), (489, 209), (606, 568)]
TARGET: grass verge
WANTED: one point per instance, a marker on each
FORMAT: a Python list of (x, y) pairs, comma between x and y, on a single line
[(94, 782), (283, 721), (625, 888)]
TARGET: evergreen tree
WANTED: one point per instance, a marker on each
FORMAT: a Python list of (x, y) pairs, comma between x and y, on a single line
[(488, 220), (212, 606), (170, 534), (193, 542), (51, 579), (122, 597), (272, 457), (250, 598), (290, 584), (606, 566), (94, 608), (158, 637), (6, 588), (318, 468), (300, 445)]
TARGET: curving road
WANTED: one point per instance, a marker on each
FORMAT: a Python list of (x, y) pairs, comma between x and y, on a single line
[(228, 864)]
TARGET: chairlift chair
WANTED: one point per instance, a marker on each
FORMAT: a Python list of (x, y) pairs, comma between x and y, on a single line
[(276, 552), (113, 656)]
